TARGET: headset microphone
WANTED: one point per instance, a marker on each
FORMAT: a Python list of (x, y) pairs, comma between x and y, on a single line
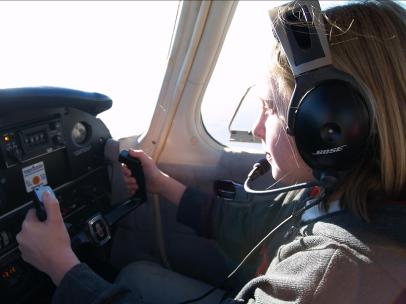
[(258, 169), (262, 167)]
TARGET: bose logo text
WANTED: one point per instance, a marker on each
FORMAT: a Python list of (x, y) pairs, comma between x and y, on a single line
[(329, 151)]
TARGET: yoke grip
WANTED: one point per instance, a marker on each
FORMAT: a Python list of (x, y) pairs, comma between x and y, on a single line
[(134, 164)]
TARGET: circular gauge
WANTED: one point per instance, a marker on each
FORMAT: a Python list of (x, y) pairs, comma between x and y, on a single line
[(79, 133)]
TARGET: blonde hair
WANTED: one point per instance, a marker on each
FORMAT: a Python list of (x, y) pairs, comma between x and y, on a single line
[(368, 41)]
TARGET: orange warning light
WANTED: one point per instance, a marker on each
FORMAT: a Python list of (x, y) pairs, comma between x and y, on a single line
[(6, 138), (36, 180)]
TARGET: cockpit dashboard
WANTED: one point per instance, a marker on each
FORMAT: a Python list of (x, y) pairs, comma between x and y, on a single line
[(48, 136)]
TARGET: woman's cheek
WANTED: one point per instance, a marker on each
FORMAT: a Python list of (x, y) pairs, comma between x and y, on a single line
[(278, 146), (282, 156), (287, 164)]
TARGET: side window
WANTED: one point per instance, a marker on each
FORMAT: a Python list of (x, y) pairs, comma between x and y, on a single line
[(240, 65), (118, 48)]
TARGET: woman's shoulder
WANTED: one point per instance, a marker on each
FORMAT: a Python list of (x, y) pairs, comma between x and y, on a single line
[(329, 259), (385, 228), (348, 242)]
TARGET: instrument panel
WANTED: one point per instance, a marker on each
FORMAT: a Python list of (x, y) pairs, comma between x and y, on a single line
[(48, 136)]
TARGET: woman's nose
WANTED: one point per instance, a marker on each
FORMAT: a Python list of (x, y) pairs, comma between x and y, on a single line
[(258, 129)]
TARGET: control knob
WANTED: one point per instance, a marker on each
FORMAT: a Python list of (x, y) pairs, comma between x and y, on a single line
[(58, 139)]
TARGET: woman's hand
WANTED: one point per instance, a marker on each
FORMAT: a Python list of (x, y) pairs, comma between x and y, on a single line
[(156, 181), (153, 176), (46, 245)]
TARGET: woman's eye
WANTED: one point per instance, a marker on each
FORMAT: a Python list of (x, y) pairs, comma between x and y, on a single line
[(270, 110), (268, 107)]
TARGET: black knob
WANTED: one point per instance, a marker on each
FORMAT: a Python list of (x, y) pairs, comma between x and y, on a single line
[(16, 154), (58, 139)]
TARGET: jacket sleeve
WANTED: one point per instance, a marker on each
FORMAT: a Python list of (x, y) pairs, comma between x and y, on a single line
[(81, 285), (235, 225)]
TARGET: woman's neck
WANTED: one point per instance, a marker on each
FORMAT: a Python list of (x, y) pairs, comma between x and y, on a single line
[(334, 197)]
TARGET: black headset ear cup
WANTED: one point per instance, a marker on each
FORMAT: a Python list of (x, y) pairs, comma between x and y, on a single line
[(332, 126)]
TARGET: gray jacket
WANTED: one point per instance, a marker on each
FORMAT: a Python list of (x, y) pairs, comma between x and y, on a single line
[(338, 258)]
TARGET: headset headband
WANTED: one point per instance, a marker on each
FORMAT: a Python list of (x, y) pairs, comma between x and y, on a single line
[(305, 45)]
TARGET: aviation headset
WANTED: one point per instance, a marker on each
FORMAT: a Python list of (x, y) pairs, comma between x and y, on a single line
[(328, 115)]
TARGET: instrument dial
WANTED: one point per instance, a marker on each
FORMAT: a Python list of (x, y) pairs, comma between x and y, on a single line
[(80, 133)]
